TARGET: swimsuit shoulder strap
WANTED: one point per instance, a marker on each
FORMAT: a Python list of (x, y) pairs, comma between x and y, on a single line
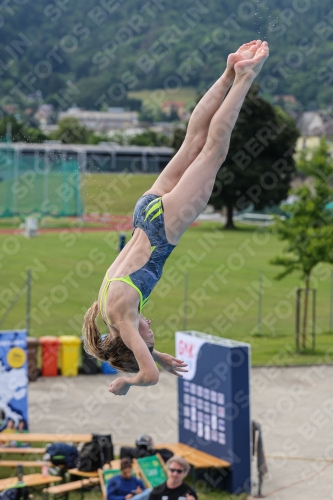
[(127, 279), (124, 279), (103, 298)]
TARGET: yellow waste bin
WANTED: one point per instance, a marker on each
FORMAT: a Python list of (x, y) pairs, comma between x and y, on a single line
[(69, 355)]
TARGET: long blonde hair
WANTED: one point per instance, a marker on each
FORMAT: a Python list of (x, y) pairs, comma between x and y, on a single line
[(111, 349)]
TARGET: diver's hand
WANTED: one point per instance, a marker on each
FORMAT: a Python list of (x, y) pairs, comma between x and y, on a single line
[(171, 364), (119, 387)]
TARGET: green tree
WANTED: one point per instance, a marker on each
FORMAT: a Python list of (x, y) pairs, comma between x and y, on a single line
[(146, 138), (308, 229), (259, 165), (178, 137), (149, 138), (13, 131), (97, 138), (119, 138), (71, 131), (146, 115), (94, 66)]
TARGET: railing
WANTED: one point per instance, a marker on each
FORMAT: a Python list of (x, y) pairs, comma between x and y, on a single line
[(263, 219)]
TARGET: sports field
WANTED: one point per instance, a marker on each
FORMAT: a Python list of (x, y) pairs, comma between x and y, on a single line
[(187, 95), (113, 193), (223, 268)]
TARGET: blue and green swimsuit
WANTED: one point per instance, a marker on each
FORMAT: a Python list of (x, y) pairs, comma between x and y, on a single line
[(149, 216)]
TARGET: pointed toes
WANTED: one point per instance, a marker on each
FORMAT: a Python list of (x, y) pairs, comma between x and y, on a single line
[(263, 49)]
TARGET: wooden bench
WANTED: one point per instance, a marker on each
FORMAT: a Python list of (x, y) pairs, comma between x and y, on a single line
[(25, 463), (23, 451), (47, 438), (64, 489), (29, 480), (114, 464), (198, 459), (77, 472)]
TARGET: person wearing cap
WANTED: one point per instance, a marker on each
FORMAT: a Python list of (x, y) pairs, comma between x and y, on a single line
[(174, 487), (126, 486)]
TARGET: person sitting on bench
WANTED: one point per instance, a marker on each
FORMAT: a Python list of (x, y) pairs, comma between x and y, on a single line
[(174, 488), (126, 486)]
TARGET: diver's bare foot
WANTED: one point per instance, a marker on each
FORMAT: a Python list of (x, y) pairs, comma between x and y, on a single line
[(245, 51), (252, 67)]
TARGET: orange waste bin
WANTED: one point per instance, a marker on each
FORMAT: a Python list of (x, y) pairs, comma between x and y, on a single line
[(50, 346)]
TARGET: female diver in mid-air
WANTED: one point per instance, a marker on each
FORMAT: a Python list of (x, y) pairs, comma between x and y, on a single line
[(161, 216)]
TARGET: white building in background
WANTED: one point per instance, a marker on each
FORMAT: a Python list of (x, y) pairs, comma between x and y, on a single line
[(43, 114), (103, 121), (313, 125)]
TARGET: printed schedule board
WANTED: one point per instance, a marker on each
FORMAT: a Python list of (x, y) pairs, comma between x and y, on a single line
[(13, 380), (214, 402)]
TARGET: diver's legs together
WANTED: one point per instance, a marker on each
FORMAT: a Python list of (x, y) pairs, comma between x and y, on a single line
[(190, 195), (196, 136), (199, 123)]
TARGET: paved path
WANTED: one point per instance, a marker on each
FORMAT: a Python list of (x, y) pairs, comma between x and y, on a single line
[(294, 406)]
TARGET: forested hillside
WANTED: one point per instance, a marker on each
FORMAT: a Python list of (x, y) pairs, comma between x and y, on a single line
[(91, 52)]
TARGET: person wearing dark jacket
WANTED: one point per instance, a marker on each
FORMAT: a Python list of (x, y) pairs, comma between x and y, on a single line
[(174, 487), (126, 486)]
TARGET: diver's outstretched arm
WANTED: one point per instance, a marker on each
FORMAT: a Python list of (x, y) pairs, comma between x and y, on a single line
[(170, 363), (148, 372)]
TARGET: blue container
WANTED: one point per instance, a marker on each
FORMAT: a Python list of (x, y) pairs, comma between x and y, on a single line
[(122, 241), (107, 369)]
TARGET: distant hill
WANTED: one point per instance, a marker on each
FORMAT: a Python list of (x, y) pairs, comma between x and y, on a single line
[(92, 53)]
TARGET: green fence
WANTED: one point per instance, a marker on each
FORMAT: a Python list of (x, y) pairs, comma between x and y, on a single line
[(45, 184)]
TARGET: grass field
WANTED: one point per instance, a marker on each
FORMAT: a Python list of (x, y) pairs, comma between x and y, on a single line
[(101, 193), (114, 193), (223, 268), (186, 94)]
